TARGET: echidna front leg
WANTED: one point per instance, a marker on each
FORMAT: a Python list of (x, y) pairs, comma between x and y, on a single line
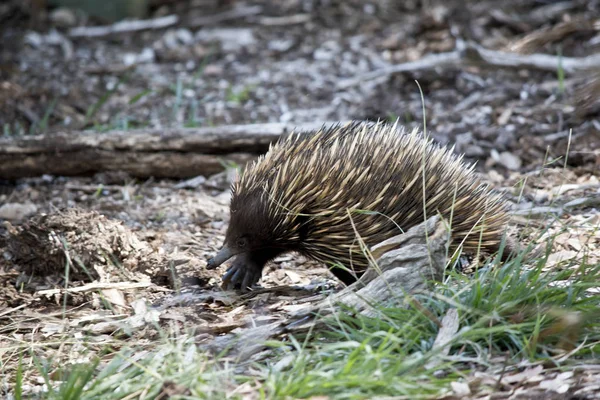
[(245, 272)]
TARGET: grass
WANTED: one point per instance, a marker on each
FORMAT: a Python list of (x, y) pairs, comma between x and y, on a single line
[(512, 313), (503, 311), (239, 96), (94, 108)]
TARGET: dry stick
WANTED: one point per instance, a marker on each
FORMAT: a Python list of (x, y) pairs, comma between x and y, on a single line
[(285, 20), (161, 23), (539, 16), (538, 38), (427, 62), (99, 286), (473, 54), (542, 62), (124, 26)]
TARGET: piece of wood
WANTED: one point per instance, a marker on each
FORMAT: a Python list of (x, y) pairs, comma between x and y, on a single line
[(471, 54), (163, 153)]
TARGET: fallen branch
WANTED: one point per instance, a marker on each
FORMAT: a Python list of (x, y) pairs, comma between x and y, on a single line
[(426, 63), (167, 153), (124, 26), (542, 62), (474, 55)]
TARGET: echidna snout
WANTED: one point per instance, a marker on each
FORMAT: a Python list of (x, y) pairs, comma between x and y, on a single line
[(314, 192)]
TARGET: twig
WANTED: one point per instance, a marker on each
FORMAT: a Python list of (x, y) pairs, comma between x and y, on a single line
[(11, 310), (537, 39), (542, 62), (473, 54), (98, 286), (124, 26), (285, 20), (427, 62)]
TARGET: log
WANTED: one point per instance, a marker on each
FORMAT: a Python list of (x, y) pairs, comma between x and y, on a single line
[(161, 153)]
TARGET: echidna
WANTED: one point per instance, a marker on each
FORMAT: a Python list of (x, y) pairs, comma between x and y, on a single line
[(316, 192)]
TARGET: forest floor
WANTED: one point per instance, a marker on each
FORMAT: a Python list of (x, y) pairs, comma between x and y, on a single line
[(106, 294)]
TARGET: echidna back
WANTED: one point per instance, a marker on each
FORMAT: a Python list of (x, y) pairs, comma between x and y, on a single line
[(373, 181)]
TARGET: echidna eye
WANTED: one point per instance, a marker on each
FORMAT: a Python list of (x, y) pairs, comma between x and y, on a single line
[(241, 242)]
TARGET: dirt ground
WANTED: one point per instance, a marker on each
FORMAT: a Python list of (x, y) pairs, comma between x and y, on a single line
[(124, 239)]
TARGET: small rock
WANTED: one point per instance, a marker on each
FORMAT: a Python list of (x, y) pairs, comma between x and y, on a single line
[(146, 56), (323, 54), (474, 151), (213, 70), (129, 58), (63, 17), (281, 46), (169, 40), (221, 180), (173, 39), (185, 36), (327, 51), (460, 388), (17, 211), (540, 196), (34, 39), (510, 161), (232, 39)]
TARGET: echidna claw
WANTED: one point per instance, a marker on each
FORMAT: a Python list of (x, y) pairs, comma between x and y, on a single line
[(243, 274), (231, 277)]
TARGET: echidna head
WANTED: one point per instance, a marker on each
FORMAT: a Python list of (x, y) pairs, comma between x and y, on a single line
[(250, 230)]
